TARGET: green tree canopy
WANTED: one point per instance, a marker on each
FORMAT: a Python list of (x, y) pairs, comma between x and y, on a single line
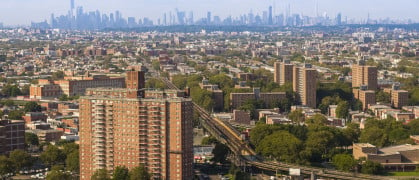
[(220, 152), (209, 140), (413, 127), (57, 172), (15, 115), (57, 75), (100, 174), (382, 96), (31, 139), (222, 80), (52, 155), (32, 106), (297, 116), (342, 111), (370, 167), (344, 162), (72, 162), (282, 146), (140, 172), (10, 90), (20, 159), (120, 173), (6, 166)]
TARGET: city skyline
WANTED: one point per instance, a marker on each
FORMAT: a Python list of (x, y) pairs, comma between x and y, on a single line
[(359, 10)]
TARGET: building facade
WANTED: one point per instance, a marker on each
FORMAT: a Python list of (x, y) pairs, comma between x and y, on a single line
[(305, 84), (72, 87), (364, 75), (269, 99), (283, 72), (119, 129), (12, 135)]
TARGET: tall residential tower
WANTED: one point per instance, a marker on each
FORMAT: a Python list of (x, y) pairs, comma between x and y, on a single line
[(132, 127)]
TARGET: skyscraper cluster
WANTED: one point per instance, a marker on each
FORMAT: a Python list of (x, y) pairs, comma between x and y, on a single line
[(78, 18)]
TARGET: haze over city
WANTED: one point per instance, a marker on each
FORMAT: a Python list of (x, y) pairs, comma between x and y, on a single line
[(23, 12)]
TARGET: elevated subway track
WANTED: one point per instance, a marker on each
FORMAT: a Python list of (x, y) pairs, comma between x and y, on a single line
[(246, 156)]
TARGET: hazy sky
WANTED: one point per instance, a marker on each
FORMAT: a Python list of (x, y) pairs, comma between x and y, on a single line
[(22, 12)]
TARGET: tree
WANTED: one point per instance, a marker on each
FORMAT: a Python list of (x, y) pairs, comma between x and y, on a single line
[(383, 97), (63, 97), (52, 155), (57, 75), (100, 174), (8, 102), (69, 147), (342, 111), (11, 90), (370, 167), (375, 136), (297, 116), (25, 89), (139, 173), (327, 101), (6, 166), (15, 115), (222, 80), (72, 162), (220, 152), (208, 140), (20, 159), (31, 139), (351, 134), (120, 173), (282, 146), (32, 107), (155, 83), (414, 127), (156, 65), (320, 142), (344, 162), (57, 172)]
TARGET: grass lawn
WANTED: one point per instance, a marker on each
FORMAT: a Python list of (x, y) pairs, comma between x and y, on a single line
[(403, 174)]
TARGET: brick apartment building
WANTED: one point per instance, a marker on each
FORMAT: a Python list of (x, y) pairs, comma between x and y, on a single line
[(283, 72), (364, 76), (303, 79), (73, 86), (12, 135), (129, 127), (305, 84), (238, 99)]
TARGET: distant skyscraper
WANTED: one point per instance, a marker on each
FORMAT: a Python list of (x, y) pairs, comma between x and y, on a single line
[(208, 17), (191, 18), (165, 19), (72, 4), (270, 20), (339, 19)]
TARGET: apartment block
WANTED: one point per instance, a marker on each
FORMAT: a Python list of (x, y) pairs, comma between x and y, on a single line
[(305, 84), (155, 130), (283, 72), (399, 98), (367, 97), (73, 86), (269, 99), (12, 135), (364, 75)]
